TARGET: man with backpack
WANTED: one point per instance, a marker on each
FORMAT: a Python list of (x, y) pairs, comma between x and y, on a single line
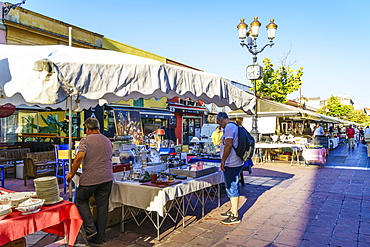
[(231, 165), (350, 132)]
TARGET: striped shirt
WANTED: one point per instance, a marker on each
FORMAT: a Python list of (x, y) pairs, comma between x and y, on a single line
[(97, 163)]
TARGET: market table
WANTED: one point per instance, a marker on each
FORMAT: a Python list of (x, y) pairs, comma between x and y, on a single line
[(333, 142), (162, 200), (218, 161), (62, 219), (269, 146), (314, 155)]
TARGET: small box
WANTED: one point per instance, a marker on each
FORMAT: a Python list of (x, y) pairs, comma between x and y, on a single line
[(285, 157), (114, 216), (20, 242), (185, 148), (20, 168)]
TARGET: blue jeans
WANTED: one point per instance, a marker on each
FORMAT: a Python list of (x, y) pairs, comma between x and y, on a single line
[(231, 177), (101, 193)]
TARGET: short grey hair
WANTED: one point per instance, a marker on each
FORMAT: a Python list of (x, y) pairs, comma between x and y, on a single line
[(92, 123), (222, 115)]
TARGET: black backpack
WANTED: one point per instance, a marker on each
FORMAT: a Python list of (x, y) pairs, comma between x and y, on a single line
[(246, 143)]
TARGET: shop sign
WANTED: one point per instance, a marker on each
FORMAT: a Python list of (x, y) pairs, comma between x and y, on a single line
[(188, 111), (156, 116), (6, 110)]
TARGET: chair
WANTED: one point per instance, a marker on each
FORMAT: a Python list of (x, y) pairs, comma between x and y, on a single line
[(36, 169), (61, 165), (2, 176)]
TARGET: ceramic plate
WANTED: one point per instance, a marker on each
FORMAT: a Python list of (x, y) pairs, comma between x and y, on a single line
[(54, 202), (44, 179)]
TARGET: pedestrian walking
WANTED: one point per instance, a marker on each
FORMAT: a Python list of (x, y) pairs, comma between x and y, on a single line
[(231, 165), (357, 135), (350, 132), (362, 135)]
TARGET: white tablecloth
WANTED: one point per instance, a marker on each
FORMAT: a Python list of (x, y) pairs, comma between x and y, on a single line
[(335, 141), (153, 198)]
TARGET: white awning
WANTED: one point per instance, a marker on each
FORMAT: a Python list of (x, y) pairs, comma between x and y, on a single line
[(47, 75)]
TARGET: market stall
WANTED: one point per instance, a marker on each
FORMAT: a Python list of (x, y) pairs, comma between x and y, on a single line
[(52, 76), (62, 219)]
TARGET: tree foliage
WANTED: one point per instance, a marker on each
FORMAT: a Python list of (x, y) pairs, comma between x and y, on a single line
[(277, 84), (358, 116), (335, 108)]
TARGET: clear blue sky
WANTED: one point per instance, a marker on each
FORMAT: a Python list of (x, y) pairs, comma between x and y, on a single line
[(328, 38)]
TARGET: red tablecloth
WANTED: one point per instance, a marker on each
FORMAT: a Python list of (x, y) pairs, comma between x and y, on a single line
[(51, 219)]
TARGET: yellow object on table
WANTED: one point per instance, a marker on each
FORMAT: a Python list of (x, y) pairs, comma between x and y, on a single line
[(63, 154)]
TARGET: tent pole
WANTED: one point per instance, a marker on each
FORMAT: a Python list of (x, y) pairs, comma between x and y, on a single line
[(70, 126), (70, 144)]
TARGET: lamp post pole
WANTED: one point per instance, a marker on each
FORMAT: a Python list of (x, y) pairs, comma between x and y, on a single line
[(254, 71)]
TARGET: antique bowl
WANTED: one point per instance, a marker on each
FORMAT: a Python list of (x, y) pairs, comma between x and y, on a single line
[(15, 198), (30, 206)]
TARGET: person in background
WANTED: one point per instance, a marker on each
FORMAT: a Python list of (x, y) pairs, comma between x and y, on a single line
[(319, 131), (367, 130), (231, 165), (307, 130), (95, 153), (350, 132), (362, 135), (216, 136), (356, 134)]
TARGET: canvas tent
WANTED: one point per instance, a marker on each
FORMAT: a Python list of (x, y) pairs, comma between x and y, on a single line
[(268, 111), (47, 75)]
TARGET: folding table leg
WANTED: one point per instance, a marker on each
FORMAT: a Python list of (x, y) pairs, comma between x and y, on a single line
[(122, 219)]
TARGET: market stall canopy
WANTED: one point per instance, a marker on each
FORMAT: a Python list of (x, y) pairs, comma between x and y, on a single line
[(48, 75), (268, 108)]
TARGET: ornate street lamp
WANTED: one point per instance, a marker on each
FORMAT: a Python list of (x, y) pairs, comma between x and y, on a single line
[(254, 71)]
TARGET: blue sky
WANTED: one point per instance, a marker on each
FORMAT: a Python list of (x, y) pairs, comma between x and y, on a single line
[(328, 38)]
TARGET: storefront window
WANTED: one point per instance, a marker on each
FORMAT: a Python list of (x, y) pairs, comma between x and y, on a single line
[(139, 102), (151, 124), (191, 128)]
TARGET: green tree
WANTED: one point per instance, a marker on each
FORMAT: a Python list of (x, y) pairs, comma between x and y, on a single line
[(358, 116), (277, 84), (335, 108)]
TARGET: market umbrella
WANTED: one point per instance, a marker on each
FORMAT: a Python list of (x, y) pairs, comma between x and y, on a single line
[(48, 75)]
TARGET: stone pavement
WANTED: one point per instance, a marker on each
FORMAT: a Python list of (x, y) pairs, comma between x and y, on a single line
[(281, 205)]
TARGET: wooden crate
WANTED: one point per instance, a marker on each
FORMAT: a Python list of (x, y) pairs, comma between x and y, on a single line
[(285, 157)]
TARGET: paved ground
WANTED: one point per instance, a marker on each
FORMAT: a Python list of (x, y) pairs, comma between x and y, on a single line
[(282, 205)]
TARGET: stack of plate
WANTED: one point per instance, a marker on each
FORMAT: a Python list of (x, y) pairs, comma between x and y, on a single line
[(47, 189), (5, 210)]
